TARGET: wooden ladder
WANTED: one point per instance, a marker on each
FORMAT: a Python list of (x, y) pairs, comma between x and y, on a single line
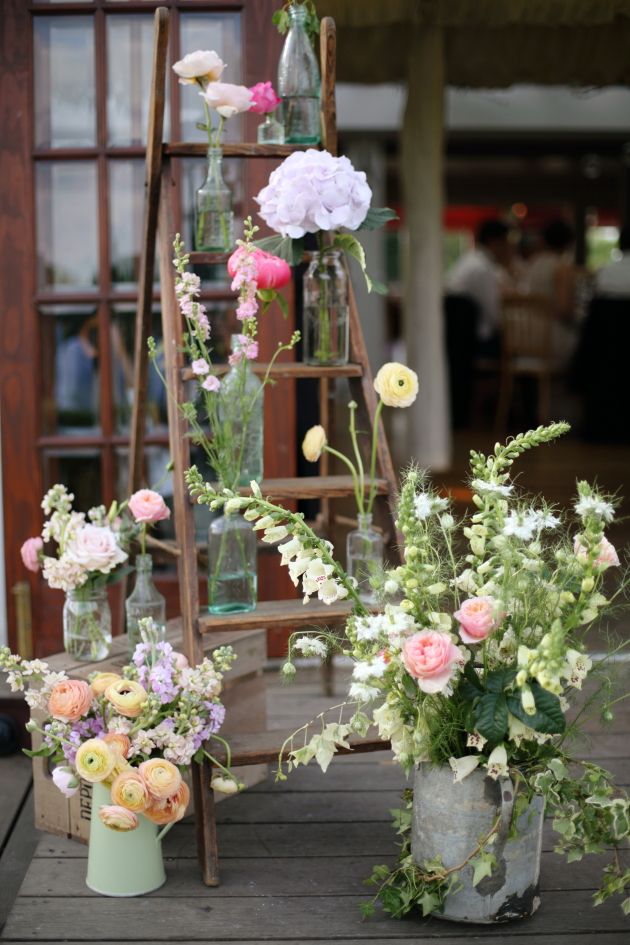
[(196, 625)]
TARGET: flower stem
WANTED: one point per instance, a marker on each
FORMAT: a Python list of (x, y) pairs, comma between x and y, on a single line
[(372, 495)]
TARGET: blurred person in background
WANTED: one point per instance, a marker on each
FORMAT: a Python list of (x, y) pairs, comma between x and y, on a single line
[(614, 279), (552, 276)]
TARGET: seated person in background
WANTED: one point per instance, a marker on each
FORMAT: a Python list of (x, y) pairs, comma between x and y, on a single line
[(477, 274), (552, 276), (614, 279)]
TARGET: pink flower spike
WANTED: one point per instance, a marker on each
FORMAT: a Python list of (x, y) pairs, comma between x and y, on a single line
[(211, 383), (200, 367), (264, 98)]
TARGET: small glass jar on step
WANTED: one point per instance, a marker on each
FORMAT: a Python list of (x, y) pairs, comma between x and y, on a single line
[(87, 624), (144, 601), (214, 217), (364, 554), (326, 311), (232, 577), (299, 82), (241, 404)]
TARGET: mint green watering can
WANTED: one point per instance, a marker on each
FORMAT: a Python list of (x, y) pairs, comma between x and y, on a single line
[(125, 863)]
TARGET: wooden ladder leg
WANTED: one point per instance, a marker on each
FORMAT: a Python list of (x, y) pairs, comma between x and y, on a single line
[(205, 823)]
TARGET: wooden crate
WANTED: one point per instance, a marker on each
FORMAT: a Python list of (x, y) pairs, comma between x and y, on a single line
[(243, 695)]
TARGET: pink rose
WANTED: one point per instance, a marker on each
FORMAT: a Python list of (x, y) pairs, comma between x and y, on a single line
[(148, 506), (95, 548), (264, 98), (607, 556), (271, 271), (228, 99), (478, 617), (30, 552), (431, 658)]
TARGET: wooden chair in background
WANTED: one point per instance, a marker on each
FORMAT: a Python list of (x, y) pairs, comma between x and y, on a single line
[(526, 342)]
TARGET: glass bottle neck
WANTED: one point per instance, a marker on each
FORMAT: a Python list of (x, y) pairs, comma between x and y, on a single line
[(144, 564), (215, 155), (297, 14), (365, 521)]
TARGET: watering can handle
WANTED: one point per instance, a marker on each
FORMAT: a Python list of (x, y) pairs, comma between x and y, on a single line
[(160, 836), (505, 813)]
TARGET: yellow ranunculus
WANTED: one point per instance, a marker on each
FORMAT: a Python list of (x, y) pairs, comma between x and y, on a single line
[(313, 443), (95, 760), (101, 681), (127, 696), (130, 790), (396, 385)]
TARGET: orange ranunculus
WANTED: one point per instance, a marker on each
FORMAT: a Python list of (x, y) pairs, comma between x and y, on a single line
[(119, 742), (70, 700), (162, 777), (130, 790), (171, 809)]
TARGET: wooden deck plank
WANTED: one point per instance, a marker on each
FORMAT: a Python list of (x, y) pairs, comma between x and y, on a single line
[(466, 935), (17, 855), (15, 782)]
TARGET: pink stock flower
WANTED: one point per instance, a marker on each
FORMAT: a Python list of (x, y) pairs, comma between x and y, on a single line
[(247, 308), (245, 348), (431, 657), (211, 383), (30, 552), (478, 617), (200, 367), (148, 506), (264, 98), (271, 272), (607, 556)]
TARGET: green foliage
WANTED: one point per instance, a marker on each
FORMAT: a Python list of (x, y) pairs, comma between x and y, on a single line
[(281, 20), (350, 244), (291, 250), (377, 217), (548, 717)]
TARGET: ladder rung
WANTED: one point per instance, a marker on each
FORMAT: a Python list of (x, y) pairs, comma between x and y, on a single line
[(265, 747), (278, 613), (241, 150), (208, 259), (290, 369), (311, 487)]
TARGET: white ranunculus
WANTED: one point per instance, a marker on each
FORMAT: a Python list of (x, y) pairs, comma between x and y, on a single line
[(203, 64), (95, 548), (226, 98)]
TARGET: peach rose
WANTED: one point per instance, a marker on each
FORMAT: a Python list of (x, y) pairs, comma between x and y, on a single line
[(118, 742), (117, 818), (161, 776), (129, 790), (70, 700), (431, 658), (148, 506), (478, 617), (30, 552), (101, 681), (127, 696), (171, 809), (607, 556)]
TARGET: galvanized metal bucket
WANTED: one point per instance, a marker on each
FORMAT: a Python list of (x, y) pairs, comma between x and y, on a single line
[(448, 821)]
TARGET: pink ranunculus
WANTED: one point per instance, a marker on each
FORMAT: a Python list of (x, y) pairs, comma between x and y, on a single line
[(431, 657), (478, 617), (228, 99), (30, 552), (607, 556), (264, 98), (117, 818), (271, 271), (148, 506)]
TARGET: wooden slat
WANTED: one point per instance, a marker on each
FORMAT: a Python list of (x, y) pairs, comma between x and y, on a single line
[(265, 748), (278, 613), (289, 370), (313, 487), (328, 58), (239, 150)]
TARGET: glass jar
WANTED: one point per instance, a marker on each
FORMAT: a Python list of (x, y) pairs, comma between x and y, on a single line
[(232, 577), (299, 83), (87, 624), (144, 601), (326, 314), (214, 217), (270, 131), (240, 415), (364, 553)]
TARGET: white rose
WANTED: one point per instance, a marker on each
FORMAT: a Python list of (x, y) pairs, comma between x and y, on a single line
[(202, 64), (95, 548), (227, 99)]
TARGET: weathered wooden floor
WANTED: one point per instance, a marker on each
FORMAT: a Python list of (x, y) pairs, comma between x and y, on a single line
[(294, 856)]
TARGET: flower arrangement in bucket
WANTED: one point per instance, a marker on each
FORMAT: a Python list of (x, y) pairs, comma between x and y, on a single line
[(132, 737), (469, 669), (91, 550), (396, 386), (314, 192)]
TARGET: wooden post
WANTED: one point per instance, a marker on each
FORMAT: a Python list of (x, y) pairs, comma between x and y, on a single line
[(422, 153)]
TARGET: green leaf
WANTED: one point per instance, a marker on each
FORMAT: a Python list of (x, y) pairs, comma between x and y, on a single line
[(548, 717), (283, 304), (350, 244), (482, 866), (367, 909), (491, 716), (286, 248), (377, 217), (44, 752), (500, 679)]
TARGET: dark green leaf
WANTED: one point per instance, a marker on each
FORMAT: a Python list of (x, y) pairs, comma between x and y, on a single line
[(500, 679), (472, 677), (491, 716), (286, 248), (548, 717), (377, 217)]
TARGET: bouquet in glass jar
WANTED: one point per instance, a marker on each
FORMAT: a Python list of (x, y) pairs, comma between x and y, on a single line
[(397, 386), (90, 552), (314, 192)]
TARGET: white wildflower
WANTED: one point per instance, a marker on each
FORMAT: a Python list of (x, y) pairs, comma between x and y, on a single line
[(497, 763), (289, 550), (362, 692), (274, 534), (463, 766), (593, 505), (330, 591), (391, 587), (425, 505), (480, 485), (475, 740), (519, 525), (311, 646), (577, 668), (375, 669)]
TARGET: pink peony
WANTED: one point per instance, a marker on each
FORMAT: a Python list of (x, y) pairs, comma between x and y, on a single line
[(30, 552), (148, 506), (478, 617), (607, 556), (271, 271), (264, 98), (431, 658)]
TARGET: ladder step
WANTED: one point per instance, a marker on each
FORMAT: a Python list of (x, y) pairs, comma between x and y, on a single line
[(310, 487), (208, 259), (290, 369), (278, 613), (265, 747), (240, 150)]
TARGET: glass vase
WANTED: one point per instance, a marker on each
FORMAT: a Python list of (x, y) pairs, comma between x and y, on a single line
[(214, 217), (270, 131), (144, 601), (364, 554), (326, 311), (299, 83), (240, 415), (232, 578), (87, 624)]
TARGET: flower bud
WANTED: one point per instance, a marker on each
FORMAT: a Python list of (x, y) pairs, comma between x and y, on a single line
[(588, 584)]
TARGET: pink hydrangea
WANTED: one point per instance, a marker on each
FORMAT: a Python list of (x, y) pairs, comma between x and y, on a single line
[(264, 98)]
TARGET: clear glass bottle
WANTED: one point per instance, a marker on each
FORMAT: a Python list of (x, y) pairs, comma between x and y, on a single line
[(87, 624), (299, 82), (244, 431), (232, 577), (144, 601), (270, 131), (214, 217), (364, 554), (326, 316)]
